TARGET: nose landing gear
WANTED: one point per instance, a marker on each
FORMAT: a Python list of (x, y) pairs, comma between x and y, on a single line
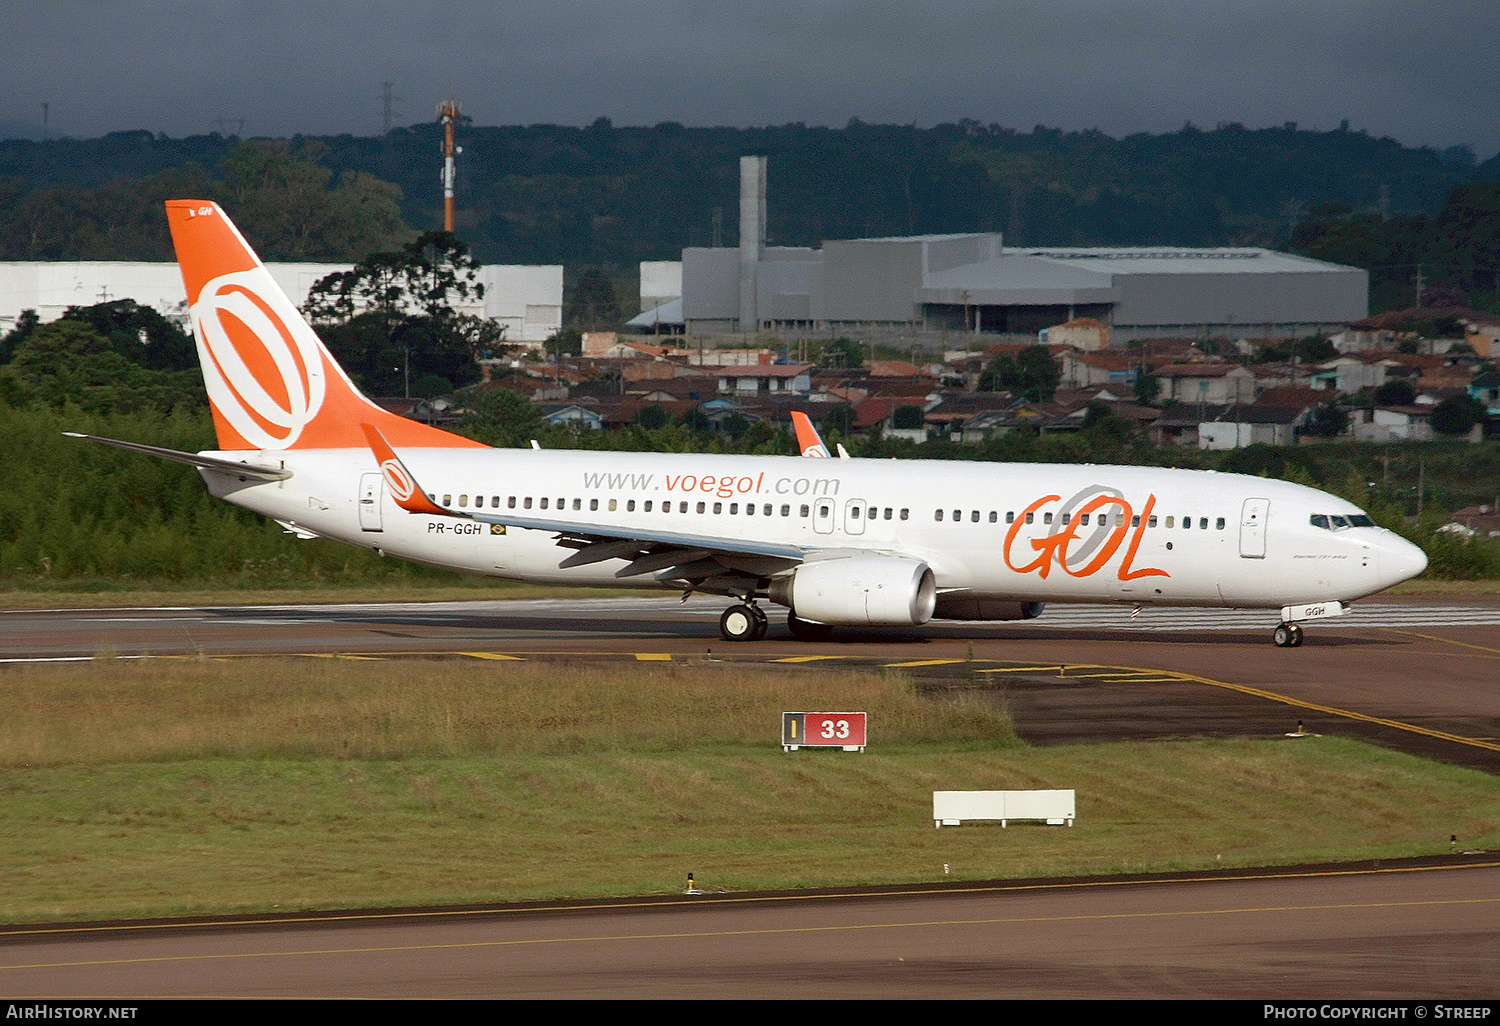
[(1287, 635)]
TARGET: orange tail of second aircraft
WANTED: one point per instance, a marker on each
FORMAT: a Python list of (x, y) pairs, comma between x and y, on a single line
[(271, 383), (808, 439)]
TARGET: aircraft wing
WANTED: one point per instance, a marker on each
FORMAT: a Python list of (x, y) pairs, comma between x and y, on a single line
[(718, 561), (668, 555)]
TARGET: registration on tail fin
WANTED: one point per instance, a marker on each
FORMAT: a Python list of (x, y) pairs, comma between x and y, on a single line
[(270, 381)]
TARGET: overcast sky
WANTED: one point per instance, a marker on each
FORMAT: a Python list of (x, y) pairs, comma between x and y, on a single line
[(1425, 74)]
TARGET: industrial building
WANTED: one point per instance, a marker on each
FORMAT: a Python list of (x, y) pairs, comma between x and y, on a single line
[(972, 284), (526, 300)]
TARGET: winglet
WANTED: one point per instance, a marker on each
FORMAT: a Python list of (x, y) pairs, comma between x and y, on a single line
[(404, 487), (808, 439)]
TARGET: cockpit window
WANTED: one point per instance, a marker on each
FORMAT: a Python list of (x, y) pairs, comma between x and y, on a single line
[(1335, 522)]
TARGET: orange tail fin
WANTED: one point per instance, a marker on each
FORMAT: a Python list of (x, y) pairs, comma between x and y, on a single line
[(271, 383), (808, 439)]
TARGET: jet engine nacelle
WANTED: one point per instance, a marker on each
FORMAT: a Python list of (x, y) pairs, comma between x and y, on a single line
[(960, 607), (882, 591)]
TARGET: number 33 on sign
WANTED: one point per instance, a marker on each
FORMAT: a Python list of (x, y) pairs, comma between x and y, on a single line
[(844, 730)]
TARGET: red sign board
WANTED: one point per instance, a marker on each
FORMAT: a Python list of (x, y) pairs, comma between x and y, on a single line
[(823, 730)]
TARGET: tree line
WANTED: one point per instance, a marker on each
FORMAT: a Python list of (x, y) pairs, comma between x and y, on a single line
[(606, 196), (74, 514), (1443, 260), (283, 195)]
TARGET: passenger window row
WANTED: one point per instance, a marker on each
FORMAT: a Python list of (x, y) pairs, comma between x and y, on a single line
[(526, 502), (748, 509), (1327, 522), (1100, 519), (856, 511)]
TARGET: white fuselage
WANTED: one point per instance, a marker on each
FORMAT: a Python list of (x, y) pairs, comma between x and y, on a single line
[(1023, 532)]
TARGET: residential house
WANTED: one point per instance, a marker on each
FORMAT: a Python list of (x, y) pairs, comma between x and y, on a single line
[(1391, 423), (772, 377), (1482, 333), (896, 369), (1485, 388), (572, 415), (952, 411), (1229, 426), (873, 413), (1217, 383), (1086, 333), (1083, 369), (1353, 373)]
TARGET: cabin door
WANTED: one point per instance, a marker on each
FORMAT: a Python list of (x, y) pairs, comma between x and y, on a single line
[(370, 486), (1253, 516)]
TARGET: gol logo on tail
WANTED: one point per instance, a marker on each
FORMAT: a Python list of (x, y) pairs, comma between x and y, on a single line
[(261, 365)]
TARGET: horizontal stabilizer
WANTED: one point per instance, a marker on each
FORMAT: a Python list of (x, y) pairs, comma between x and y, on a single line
[(243, 470)]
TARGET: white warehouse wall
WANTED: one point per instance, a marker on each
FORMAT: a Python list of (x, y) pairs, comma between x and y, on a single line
[(661, 281), (527, 300)]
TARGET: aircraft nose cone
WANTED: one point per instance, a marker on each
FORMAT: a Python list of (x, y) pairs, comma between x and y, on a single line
[(1400, 560)]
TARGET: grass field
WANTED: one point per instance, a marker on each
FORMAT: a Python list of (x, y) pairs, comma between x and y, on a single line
[(191, 786)]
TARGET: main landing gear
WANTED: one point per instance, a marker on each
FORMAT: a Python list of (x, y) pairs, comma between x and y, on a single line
[(746, 621), (1287, 635), (743, 622)]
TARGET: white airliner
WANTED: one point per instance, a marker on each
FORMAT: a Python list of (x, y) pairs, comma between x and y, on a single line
[(839, 542)]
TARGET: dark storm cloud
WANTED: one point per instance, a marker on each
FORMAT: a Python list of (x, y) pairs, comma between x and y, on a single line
[(1420, 74)]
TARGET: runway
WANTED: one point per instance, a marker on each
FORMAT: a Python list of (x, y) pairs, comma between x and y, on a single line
[(220, 630), (1423, 675), (1329, 935), (1418, 674)]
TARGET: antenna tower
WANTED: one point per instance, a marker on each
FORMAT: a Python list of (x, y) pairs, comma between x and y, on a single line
[(448, 115)]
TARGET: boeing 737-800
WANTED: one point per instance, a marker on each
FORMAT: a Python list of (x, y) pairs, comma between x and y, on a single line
[(838, 542)]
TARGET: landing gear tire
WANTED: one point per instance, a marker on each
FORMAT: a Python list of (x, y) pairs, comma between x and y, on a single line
[(805, 630), (742, 623), (1287, 635)]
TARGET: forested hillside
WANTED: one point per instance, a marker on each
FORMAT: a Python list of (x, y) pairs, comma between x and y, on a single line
[(1451, 258), (611, 196)]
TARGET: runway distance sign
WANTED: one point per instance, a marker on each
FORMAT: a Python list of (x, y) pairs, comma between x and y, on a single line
[(844, 730)]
